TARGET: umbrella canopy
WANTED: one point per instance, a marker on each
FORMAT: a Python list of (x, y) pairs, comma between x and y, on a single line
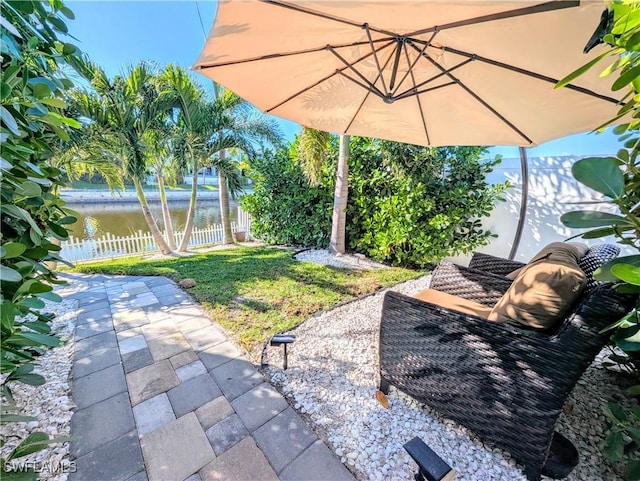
[(427, 73)]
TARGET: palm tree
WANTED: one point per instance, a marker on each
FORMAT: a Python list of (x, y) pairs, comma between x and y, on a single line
[(121, 111), (163, 162), (209, 127), (312, 149)]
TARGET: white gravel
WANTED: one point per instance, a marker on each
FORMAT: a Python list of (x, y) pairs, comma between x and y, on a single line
[(332, 380), (321, 256), (50, 403)]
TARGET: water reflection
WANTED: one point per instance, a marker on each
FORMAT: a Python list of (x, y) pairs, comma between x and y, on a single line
[(125, 218)]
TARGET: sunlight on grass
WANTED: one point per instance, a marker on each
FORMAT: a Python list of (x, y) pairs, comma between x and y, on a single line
[(257, 292)]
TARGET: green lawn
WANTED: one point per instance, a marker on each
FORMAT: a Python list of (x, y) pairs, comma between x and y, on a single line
[(255, 292)]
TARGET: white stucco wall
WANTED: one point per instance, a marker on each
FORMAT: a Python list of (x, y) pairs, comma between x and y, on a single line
[(552, 192)]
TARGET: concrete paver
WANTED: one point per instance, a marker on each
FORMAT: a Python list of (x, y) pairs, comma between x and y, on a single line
[(103, 358), (153, 414), (214, 412), (168, 346), (101, 423), (190, 371), (242, 462), (163, 395), (151, 380), (227, 433), (118, 460), (317, 463), (136, 360), (192, 394), (90, 345), (214, 356), (176, 450), (236, 377), (284, 438), (259, 405), (98, 386)]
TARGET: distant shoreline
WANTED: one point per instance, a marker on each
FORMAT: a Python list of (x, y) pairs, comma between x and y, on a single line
[(88, 196)]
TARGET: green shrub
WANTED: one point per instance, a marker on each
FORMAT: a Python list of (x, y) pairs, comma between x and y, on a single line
[(284, 208), (413, 206), (33, 215), (408, 205)]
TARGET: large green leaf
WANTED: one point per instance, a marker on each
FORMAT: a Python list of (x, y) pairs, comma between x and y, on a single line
[(614, 446), (628, 339), (585, 219), (627, 273), (32, 444), (603, 273), (28, 189), (13, 249), (7, 274), (9, 121), (578, 72), (602, 174)]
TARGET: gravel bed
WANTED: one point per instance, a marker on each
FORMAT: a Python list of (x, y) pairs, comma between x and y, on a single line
[(50, 403), (348, 261), (331, 380)]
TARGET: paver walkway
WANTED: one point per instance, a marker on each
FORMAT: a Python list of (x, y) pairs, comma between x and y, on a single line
[(163, 395)]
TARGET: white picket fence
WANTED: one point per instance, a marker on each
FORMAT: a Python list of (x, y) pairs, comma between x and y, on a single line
[(109, 246)]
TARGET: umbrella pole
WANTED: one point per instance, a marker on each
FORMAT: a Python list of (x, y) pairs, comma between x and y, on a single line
[(523, 202)]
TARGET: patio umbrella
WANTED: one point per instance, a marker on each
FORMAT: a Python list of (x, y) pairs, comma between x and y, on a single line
[(476, 72), (426, 73)]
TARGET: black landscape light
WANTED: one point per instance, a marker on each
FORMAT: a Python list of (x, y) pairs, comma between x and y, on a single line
[(431, 467), (283, 340)]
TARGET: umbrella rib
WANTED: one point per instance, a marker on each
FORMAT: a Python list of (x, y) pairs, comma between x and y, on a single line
[(306, 89), (368, 93), (413, 80), (478, 98), (415, 61), (529, 73), (419, 92), (375, 56), (409, 92), (539, 8), (371, 86), (326, 16), (288, 54)]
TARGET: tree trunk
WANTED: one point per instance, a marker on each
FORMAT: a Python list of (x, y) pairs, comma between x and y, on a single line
[(166, 215), (148, 217), (192, 209), (223, 191), (339, 219)]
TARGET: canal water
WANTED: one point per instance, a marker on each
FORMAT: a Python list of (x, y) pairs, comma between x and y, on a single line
[(125, 218)]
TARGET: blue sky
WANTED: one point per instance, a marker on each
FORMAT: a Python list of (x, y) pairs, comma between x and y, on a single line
[(116, 34)]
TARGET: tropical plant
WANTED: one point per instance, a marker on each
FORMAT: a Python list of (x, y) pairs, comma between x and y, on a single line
[(413, 205), (284, 207), (312, 150), (408, 205), (209, 127), (618, 179), (32, 116), (120, 112)]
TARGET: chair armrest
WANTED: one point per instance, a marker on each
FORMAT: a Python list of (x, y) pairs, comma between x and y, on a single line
[(471, 284), (493, 264)]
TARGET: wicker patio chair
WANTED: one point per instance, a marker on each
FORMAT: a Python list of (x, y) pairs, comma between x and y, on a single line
[(507, 384)]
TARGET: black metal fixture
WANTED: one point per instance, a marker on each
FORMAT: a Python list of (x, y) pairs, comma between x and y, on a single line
[(283, 340), (431, 467)]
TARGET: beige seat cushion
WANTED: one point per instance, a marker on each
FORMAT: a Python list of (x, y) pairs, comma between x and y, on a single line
[(453, 303), (545, 290)]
